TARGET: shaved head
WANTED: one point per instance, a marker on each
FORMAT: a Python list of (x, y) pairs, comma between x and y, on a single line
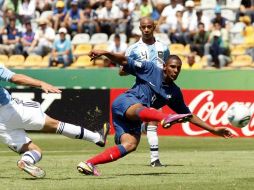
[(147, 27), (146, 20)]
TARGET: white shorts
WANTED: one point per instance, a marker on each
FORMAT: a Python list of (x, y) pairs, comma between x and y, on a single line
[(15, 118)]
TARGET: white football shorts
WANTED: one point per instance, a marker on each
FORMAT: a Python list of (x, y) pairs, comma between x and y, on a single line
[(15, 118)]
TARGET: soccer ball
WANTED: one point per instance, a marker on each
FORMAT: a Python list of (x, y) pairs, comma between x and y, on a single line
[(239, 115)]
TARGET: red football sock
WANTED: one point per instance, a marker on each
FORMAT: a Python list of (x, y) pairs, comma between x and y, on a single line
[(109, 155), (150, 114)]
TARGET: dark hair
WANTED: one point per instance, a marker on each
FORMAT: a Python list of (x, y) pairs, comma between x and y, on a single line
[(216, 22), (201, 23), (174, 57), (117, 36)]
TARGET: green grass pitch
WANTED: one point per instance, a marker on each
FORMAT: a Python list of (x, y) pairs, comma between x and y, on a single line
[(192, 163)]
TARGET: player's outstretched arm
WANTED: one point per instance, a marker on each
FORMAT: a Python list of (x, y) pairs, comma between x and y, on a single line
[(29, 81), (220, 131), (118, 58)]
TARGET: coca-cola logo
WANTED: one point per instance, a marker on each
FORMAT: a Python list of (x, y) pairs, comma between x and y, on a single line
[(204, 106)]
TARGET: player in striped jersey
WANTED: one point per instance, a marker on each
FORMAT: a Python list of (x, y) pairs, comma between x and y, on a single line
[(153, 50), (16, 116)]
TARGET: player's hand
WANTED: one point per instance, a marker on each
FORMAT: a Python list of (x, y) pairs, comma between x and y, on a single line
[(223, 131), (95, 54), (49, 88)]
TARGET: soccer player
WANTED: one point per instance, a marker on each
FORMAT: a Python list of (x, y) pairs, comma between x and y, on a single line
[(150, 49), (154, 87), (16, 116)]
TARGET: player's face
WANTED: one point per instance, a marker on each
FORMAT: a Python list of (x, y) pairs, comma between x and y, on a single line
[(172, 69), (146, 27)]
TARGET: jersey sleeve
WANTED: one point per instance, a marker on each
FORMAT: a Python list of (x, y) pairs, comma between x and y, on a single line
[(178, 104), (136, 68), (129, 51), (5, 74)]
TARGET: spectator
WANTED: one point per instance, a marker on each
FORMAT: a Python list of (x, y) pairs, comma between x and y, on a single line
[(248, 34), (27, 39), (44, 5), (126, 4), (168, 15), (146, 8), (219, 54), (193, 62), (108, 17), (11, 38), (202, 18), (117, 46), (224, 35), (188, 20), (200, 39), (44, 37), (218, 18), (27, 9), (8, 15), (12, 6), (176, 31), (62, 50), (74, 18), (125, 24), (248, 31), (247, 8), (59, 14), (90, 21)]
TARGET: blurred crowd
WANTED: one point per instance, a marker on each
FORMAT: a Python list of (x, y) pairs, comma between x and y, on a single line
[(211, 33)]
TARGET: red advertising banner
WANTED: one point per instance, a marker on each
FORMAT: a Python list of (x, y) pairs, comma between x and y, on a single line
[(209, 105)]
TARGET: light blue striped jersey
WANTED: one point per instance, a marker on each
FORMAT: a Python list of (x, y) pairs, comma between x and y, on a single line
[(156, 53), (5, 75)]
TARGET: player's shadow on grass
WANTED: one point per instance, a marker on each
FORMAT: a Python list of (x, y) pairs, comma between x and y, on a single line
[(156, 174), (68, 178), (164, 165)]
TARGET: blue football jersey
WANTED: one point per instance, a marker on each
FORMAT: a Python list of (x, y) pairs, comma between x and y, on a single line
[(5, 75), (151, 89)]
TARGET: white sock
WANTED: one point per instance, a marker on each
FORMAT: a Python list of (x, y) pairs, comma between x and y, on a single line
[(32, 156), (153, 141), (77, 132)]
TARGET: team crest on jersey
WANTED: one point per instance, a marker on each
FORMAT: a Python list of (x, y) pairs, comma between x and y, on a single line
[(169, 96), (138, 64), (160, 55)]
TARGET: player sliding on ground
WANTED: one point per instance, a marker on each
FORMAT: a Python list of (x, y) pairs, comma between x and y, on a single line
[(16, 116), (155, 88)]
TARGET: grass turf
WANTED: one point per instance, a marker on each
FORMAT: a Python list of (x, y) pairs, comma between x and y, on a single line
[(192, 163)]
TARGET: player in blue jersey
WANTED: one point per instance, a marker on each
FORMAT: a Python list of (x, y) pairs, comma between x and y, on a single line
[(17, 116), (154, 87), (148, 48)]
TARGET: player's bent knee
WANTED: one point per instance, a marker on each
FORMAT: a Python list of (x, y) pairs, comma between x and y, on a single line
[(130, 147)]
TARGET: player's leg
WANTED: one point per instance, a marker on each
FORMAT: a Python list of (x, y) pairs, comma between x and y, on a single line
[(36, 119), (12, 124), (31, 154), (153, 141), (17, 140), (127, 136), (76, 132), (128, 144), (145, 114)]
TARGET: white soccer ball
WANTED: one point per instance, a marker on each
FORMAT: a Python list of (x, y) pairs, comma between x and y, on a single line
[(239, 115)]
